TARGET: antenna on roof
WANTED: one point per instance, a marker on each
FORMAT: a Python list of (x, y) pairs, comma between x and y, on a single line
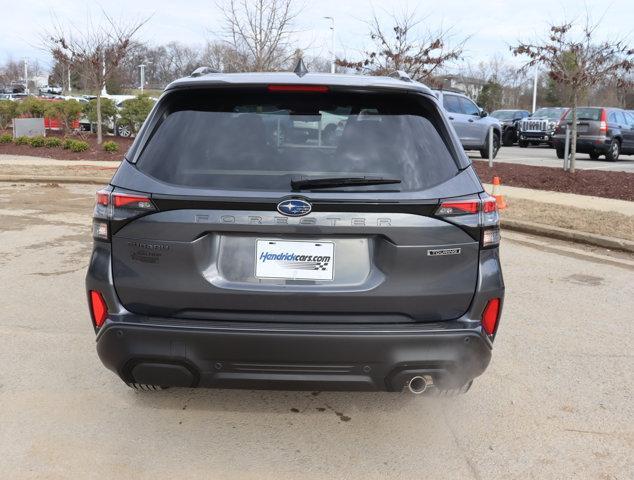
[(300, 68), (200, 71)]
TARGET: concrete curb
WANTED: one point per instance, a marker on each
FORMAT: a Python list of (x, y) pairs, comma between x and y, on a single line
[(56, 179), (567, 234), (516, 225)]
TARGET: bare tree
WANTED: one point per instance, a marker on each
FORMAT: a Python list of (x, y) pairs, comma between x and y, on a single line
[(403, 46), (11, 71), (184, 59), (515, 84), (260, 32), (99, 49), (577, 62), (221, 56)]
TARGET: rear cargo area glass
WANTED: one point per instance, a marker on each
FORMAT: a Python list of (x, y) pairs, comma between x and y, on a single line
[(258, 140), (585, 113)]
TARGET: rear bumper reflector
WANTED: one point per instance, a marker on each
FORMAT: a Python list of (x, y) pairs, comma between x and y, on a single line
[(491, 315), (98, 308)]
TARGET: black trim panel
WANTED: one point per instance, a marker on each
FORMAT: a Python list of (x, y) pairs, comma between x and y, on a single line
[(239, 358), (165, 203)]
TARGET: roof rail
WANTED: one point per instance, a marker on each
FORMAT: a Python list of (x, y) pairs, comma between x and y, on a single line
[(401, 75), (200, 71)]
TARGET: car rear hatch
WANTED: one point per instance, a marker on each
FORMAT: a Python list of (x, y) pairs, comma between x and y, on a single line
[(206, 224), (591, 121)]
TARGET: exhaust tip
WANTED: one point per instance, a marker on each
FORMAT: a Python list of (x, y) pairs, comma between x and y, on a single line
[(417, 385)]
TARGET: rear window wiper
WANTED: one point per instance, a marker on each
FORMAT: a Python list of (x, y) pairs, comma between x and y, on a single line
[(330, 182)]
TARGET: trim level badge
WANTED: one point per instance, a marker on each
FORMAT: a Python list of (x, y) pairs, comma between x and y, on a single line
[(439, 252)]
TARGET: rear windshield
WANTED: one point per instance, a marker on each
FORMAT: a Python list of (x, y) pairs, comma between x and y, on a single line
[(261, 141), (585, 113)]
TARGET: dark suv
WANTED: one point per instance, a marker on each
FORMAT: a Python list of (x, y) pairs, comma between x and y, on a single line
[(228, 254), (510, 120), (600, 131)]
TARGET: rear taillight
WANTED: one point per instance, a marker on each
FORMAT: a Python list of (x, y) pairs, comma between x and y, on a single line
[(475, 213), (490, 222), (561, 120), (98, 308), (491, 315), (447, 209), (563, 117), (117, 206), (603, 125), (120, 200), (103, 197), (101, 216)]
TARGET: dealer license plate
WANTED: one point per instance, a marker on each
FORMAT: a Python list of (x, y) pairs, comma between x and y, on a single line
[(300, 260)]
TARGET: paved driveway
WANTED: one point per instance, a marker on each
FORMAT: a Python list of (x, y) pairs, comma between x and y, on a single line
[(556, 402)]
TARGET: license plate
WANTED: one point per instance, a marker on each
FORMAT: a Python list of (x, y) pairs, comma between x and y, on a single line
[(582, 128), (299, 260)]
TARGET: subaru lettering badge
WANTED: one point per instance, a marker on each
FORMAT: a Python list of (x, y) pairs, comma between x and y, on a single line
[(295, 207)]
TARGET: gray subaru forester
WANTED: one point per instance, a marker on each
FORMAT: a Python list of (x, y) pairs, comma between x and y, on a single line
[(313, 231)]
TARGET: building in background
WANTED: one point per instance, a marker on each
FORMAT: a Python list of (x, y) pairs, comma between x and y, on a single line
[(470, 86)]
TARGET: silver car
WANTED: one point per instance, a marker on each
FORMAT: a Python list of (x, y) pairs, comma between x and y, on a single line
[(472, 124)]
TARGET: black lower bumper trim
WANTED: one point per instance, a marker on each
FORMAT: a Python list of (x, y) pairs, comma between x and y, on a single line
[(291, 359)]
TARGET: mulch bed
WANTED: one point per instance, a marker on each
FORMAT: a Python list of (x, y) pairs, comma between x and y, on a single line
[(599, 183), (94, 152)]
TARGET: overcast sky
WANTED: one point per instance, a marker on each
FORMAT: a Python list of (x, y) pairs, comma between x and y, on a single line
[(492, 24)]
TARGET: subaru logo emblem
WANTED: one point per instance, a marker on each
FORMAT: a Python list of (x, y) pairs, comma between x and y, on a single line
[(294, 207)]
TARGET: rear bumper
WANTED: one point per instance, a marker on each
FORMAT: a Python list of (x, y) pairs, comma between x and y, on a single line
[(588, 144), (277, 356)]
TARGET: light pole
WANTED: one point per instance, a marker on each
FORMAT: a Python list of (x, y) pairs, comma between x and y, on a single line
[(142, 67), (332, 43), (535, 91), (26, 77)]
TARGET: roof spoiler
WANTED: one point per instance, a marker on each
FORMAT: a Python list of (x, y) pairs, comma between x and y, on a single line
[(200, 71), (401, 75)]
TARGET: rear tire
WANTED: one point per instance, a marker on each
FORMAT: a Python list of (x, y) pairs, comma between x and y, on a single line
[(484, 152), (523, 143), (612, 155), (560, 153), (145, 387), (123, 131), (508, 139)]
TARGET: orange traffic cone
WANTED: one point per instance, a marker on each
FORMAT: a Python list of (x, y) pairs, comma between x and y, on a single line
[(499, 198)]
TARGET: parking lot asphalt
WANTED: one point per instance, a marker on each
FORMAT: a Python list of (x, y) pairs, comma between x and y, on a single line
[(556, 401), (545, 156)]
